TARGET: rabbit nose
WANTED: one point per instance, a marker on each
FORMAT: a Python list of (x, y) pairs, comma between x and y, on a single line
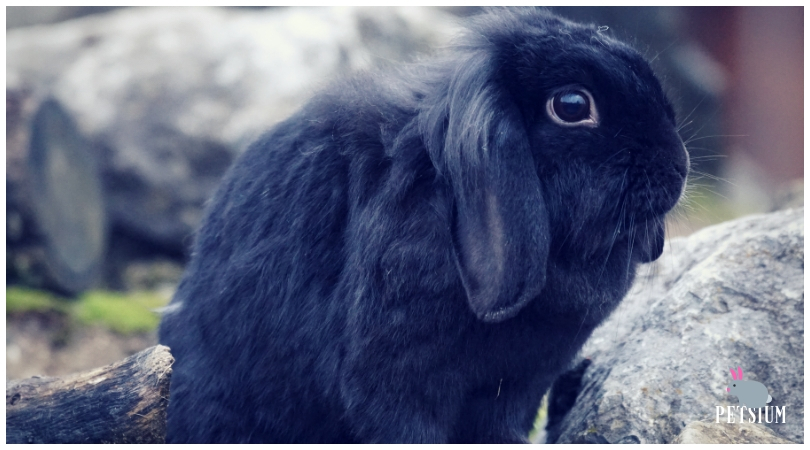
[(728, 389)]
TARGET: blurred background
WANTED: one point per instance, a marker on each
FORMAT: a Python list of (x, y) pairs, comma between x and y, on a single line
[(121, 121)]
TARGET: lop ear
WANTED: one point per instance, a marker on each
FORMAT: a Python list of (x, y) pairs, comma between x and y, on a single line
[(478, 138)]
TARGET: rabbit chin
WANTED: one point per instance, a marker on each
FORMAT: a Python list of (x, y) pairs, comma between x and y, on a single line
[(648, 240)]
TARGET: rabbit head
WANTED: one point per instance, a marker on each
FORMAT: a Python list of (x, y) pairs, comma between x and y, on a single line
[(559, 142)]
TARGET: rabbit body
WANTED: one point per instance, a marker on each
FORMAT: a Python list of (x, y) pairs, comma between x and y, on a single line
[(416, 255)]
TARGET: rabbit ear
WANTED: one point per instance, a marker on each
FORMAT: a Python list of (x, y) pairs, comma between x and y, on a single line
[(477, 138), (739, 373), (733, 373)]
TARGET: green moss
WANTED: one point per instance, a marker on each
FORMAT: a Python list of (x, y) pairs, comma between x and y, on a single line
[(123, 313), (20, 300)]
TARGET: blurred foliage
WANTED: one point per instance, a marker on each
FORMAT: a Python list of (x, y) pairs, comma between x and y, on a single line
[(19, 300), (701, 206), (707, 205), (124, 313)]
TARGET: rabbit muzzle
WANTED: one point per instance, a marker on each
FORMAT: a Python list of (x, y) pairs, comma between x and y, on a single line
[(666, 184), (655, 187)]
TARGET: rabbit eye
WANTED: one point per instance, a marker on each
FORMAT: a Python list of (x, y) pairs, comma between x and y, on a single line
[(572, 107)]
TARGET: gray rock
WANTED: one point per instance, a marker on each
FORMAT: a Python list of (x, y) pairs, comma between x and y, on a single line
[(728, 433), (172, 95), (730, 295)]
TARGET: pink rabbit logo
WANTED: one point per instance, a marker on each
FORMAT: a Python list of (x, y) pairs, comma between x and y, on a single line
[(752, 394)]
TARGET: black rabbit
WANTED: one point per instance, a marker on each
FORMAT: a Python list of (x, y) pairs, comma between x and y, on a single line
[(416, 255)]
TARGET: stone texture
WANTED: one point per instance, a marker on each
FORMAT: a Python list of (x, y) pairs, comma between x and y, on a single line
[(728, 433), (727, 296)]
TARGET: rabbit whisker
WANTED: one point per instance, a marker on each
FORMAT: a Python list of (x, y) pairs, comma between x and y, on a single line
[(619, 152), (712, 177), (617, 230), (684, 125), (689, 115), (696, 138), (630, 242), (706, 157)]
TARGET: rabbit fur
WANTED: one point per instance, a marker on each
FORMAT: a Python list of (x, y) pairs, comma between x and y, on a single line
[(416, 254)]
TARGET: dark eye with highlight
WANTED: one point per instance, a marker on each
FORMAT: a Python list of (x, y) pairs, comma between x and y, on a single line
[(572, 107)]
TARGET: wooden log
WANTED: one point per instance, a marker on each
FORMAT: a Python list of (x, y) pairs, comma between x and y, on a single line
[(56, 225), (121, 403)]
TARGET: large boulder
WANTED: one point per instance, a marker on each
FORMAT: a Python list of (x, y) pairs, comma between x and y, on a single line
[(172, 95), (728, 296)]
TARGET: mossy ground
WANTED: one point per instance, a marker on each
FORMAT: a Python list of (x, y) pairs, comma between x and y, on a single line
[(124, 313)]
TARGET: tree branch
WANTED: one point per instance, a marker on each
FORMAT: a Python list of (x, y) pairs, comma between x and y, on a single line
[(121, 403)]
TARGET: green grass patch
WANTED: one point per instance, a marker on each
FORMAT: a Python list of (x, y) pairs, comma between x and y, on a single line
[(20, 300), (125, 313)]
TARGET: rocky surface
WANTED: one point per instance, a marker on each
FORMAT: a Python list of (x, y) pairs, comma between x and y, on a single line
[(730, 295), (172, 95), (728, 433)]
